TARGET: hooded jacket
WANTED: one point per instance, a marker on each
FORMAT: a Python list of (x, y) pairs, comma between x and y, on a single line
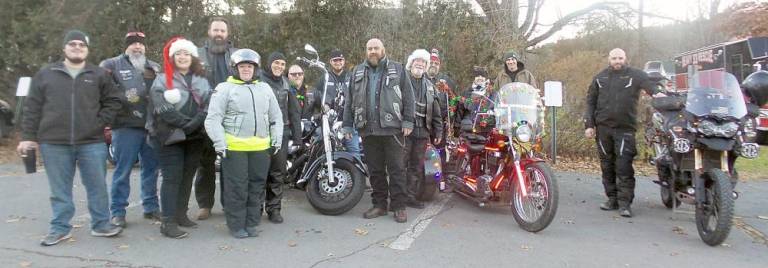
[(289, 105), (244, 117), (64, 110), (506, 76)]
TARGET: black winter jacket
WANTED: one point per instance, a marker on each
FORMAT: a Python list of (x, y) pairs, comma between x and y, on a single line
[(63, 110), (612, 98)]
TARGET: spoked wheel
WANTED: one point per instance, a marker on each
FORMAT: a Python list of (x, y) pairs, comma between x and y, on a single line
[(335, 199), (714, 216), (536, 210)]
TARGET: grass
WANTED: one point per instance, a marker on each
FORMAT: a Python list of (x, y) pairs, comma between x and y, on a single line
[(754, 168)]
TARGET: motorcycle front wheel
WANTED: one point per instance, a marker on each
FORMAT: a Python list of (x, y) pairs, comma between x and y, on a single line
[(714, 217), (339, 198), (535, 211)]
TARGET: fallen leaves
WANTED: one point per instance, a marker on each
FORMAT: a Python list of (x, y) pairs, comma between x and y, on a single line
[(225, 247), (123, 246), (292, 243), (15, 218), (361, 231), (525, 247), (679, 230), (25, 264)]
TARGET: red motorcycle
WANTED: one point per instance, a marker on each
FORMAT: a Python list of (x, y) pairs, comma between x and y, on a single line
[(502, 168)]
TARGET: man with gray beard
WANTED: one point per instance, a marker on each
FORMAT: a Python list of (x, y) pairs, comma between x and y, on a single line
[(427, 124), (214, 55), (133, 74)]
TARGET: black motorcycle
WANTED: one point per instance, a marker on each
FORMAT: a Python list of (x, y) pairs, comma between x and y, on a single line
[(321, 155), (701, 132)]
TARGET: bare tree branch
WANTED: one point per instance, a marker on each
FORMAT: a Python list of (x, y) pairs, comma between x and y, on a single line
[(535, 21), (558, 25), (532, 9)]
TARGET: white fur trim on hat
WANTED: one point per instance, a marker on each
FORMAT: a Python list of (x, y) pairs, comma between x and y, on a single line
[(172, 96), (418, 54), (183, 44)]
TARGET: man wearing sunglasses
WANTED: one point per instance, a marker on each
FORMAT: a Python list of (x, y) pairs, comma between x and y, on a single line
[(68, 106), (214, 56), (134, 74), (309, 99)]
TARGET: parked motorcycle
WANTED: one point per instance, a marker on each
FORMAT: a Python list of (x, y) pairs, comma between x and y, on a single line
[(329, 194), (501, 168), (701, 134)]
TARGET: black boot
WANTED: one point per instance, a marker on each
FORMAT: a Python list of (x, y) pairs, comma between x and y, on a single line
[(275, 217), (611, 204), (170, 228), (184, 221)]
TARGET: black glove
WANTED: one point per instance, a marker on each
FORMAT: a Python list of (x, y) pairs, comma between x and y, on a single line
[(194, 124)]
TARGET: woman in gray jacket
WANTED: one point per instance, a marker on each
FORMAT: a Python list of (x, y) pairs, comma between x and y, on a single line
[(178, 103), (244, 121)]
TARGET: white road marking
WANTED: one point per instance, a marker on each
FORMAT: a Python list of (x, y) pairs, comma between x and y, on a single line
[(404, 241)]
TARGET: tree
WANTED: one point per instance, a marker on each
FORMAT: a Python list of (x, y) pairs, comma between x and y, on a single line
[(744, 20)]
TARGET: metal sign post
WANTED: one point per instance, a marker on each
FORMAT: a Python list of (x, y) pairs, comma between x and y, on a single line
[(553, 97)]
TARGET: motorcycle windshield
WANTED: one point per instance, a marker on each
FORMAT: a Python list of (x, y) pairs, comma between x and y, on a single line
[(518, 103), (715, 93)]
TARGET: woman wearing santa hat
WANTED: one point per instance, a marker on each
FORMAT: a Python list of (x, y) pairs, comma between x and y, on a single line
[(179, 101)]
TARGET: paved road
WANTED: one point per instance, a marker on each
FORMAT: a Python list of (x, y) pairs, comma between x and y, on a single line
[(450, 232)]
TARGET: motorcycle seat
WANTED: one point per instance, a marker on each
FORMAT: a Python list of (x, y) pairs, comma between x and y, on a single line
[(476, 147)]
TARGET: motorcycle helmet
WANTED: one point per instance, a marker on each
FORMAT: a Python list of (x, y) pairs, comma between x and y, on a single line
[(756, 87), (245, 56)]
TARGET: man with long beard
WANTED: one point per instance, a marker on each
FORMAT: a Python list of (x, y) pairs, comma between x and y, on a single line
[(379, 105), (133, 74), (214, 56), (428, 124)]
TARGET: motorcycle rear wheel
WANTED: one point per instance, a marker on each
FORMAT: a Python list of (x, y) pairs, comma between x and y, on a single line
[(335, 200), (714, 217), (535, 211)]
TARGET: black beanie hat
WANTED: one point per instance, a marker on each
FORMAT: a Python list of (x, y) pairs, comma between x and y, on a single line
[(133, 37), (76, 35)]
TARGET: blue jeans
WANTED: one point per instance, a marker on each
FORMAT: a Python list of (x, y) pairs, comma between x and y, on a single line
[(130, 144), (60, 162), (353, 145)]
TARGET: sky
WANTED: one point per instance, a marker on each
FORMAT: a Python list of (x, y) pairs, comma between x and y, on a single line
[(554, 9)]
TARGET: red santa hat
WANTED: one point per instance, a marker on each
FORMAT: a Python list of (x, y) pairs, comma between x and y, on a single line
[(172, 94), (434, 55)]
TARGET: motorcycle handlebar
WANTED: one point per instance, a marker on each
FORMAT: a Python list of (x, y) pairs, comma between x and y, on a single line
[(311, 63)]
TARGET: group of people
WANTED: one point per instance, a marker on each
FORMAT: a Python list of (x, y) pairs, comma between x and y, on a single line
[(217, 101)]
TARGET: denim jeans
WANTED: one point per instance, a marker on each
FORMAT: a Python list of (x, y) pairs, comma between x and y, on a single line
[(130, 144), (353, 145), (60, 162)]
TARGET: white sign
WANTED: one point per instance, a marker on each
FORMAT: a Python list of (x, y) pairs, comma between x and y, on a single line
[(23, 88), (553, 93)]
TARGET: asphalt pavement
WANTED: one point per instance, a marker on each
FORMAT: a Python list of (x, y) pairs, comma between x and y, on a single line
[(450, 232)]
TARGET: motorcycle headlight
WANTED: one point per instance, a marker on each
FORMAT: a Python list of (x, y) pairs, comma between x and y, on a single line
[(726, 130), (523, 133)]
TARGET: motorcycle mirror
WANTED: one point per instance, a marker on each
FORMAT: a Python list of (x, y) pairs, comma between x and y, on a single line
[(310, 49)]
